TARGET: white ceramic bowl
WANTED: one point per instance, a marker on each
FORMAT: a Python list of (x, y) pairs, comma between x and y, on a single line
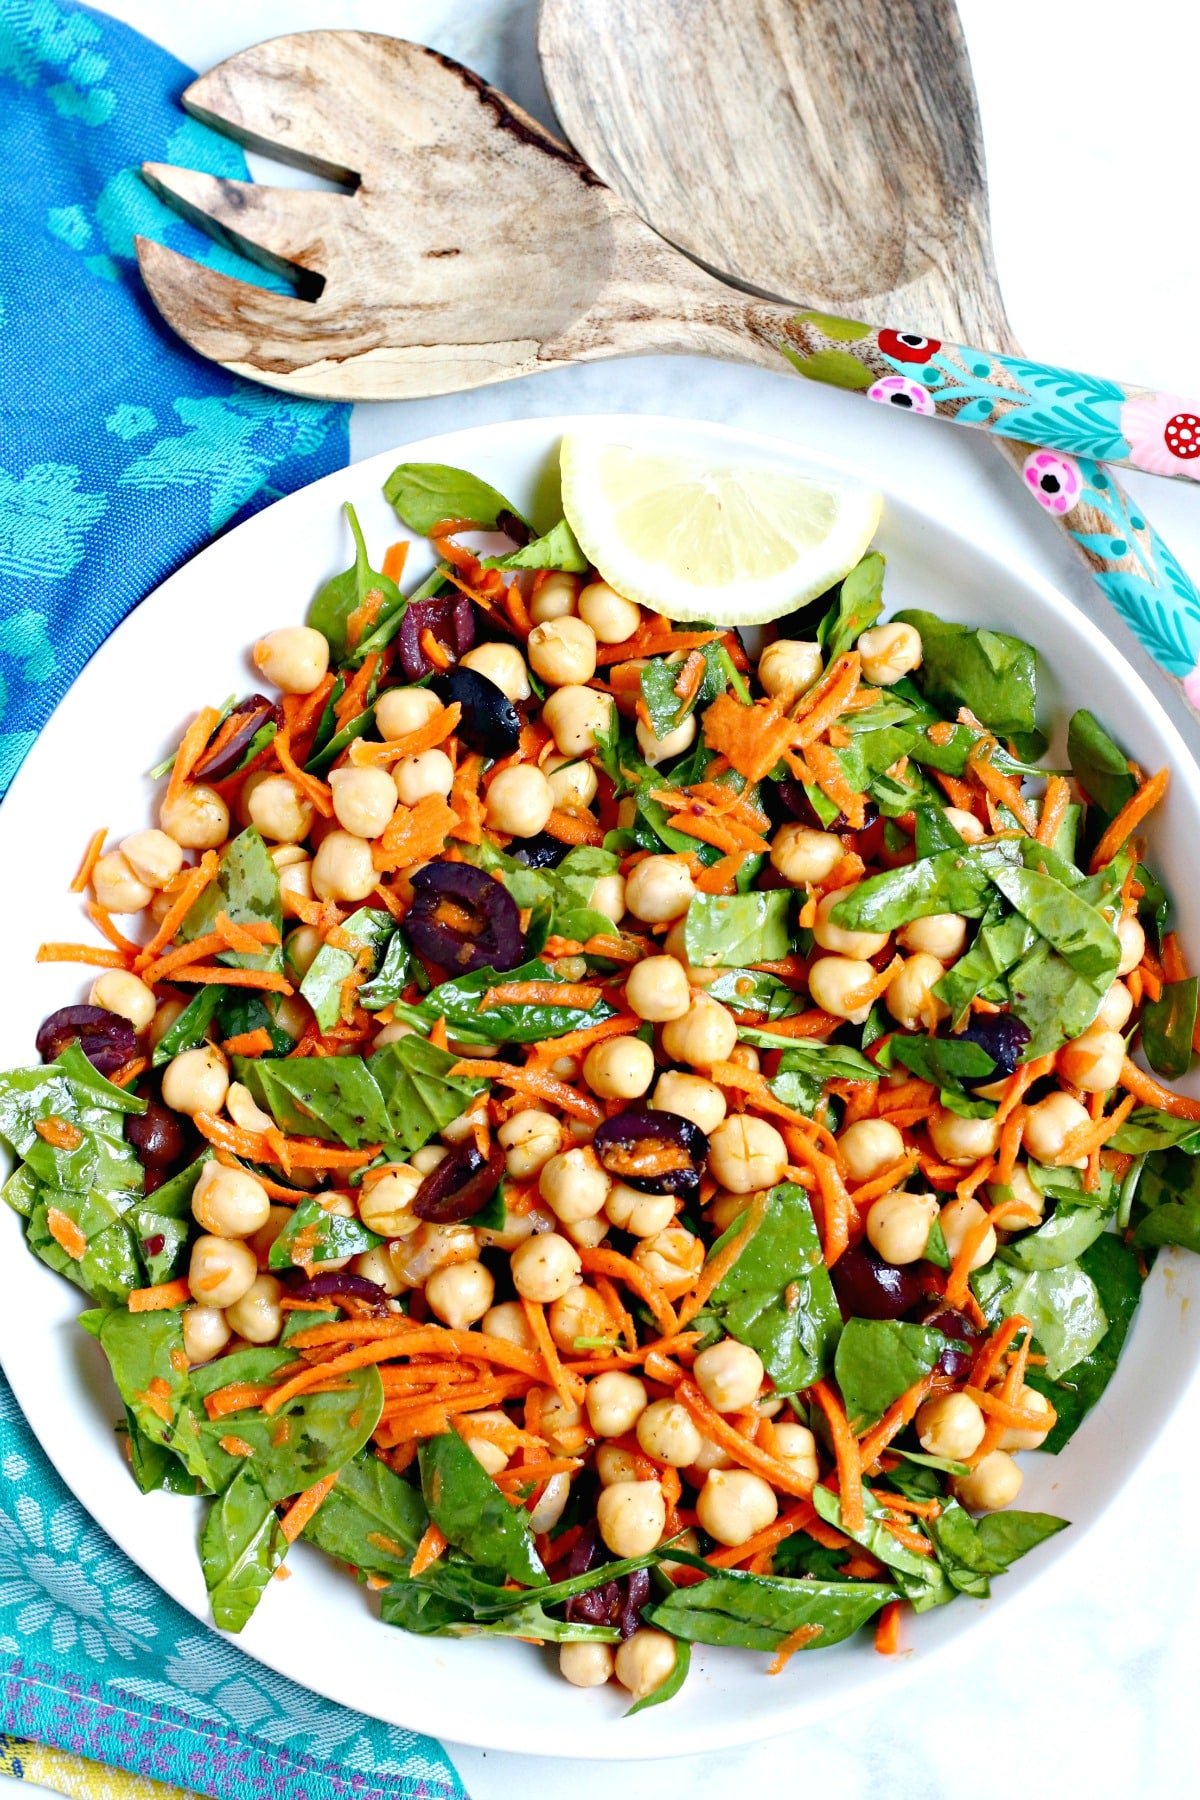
[(186, 646)]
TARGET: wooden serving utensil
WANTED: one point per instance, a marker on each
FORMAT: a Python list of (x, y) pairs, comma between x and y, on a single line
[(832, 149), (477, 247)]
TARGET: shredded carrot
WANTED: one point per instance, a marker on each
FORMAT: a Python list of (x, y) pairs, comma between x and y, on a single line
[(166, 1295), (60, 1134), (622, 1268), (1089, 1137), (572, 1042), (797, 1518), (721, 1431), (248, 1043), (989, 1354), (306, 1506), (899, 1414), (887, 1631), (1153, 1093), (870, 991), (799, 1639), (466, 802), (1054, 808), (831, 778), (354, 699), (846, 1456), (415, 833), (574, 827), (394, 559), (1000, 787), (90, 954), (189, 752), (428, 736), (238, 1396), (1174, 966), (266, 979), (718, 1266), (536, 1081), (1129, 818), (66, 1234), (194, 884), (542, 993), (1014, 1417), (568, 1387), (246, 936), (88, 861), (904, 1534)]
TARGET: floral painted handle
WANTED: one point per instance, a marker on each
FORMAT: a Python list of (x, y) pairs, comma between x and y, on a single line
[(1053, 425)]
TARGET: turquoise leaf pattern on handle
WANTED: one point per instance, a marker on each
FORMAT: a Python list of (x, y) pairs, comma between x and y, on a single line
[(1035, 403)]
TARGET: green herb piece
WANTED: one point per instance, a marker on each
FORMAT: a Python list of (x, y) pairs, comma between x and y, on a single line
[(991, 673), (241, 1546), (1147, 1129), (877, 1360), (946, 1062), (313, 1236), (563, 895), (757, 1612), (473, 1514), (344, 594), (859, 603), (754, 991), (422, 1096), (371, 1519), (805, 1070), (69, 1089), (331, 967), (164, 1219), (777, 1297), (247, 889), (1168, 1025), (731, 929), (557, 549), (354, 728), (331, 1097), (663, 705)]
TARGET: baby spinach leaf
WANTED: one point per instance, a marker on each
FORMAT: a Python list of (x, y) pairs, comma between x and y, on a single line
[(558, 548), (70, 1090), (309, 1437), (1077, 931), (145, 1353), (664, 706), (332, 1097), (354, 728), (877, 1360), (991, 673), (952, 881), (154, 1469), (418, 1607), (756, 1612), (1062, 1304), (919, 1578), (1052, 998), (1148, 1129), (21, 1191), (731, 929), (390, 979), (564, 893), (372, 1519), (426, 495), (312, 1236), (859, 603), (1062, 1239), (777, 1297), (109, 1266), (343, 594), (1174, 1222), (471, 1512), (241, 1546), (754, 991), (482, 1595), (422, 1096), (970, 1550), (161, 1223), (1112, 1267), (322, 985), (1099, 766), (191, 1027), (805, 1069), (247, 889), (944, 1061), (668, 1688), (1000, 943), (1168, 1025), (458, 1002)]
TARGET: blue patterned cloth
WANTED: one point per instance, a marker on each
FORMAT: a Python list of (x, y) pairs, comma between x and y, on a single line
[(120, 455)]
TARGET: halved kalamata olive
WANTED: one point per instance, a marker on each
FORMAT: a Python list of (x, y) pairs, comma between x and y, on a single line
[(654, 1152), (1003, 1036), (451, 619), (499, 942), (233, 737), (618, 1602), (157, 1135), (490, 722), (460, 1186), (513, 528), (540, 852), (869, 1288), (338, 1284), (959, 1352), (787, 800), (106, 1039)]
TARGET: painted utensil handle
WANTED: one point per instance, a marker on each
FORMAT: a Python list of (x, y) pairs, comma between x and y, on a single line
[(1052, 409)]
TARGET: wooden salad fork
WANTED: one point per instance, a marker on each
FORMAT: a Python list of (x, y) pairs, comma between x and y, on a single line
[(474, 247)]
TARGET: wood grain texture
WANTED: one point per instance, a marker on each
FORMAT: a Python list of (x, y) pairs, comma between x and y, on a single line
[(829, 153)]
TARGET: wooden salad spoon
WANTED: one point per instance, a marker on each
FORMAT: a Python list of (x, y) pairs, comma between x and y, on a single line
[(832, 150)]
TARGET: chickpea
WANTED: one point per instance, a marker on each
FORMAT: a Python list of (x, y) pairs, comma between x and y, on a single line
[(835, 983), (428, 772), (729, 1375), (277, 809), (667, 1432), (459, 1130), (562, 652), (673, 1258), (430, 1248), (519, 801), (205, 1333), (163, 1020), (657, 989), (805, 857), (1093, 1061), (586, 1665), (632, 1517), (951, 1425), (959, 1219), (710, 1456), (544, 1267), (295, 659), (706, 1034), (558, 1419), (659, 750), (746, 1057), (301, 949), (154, 857), (386, 1206), (641, 1215), (910, 997), (644, 1661), (198, 818), (612, 618), (620, 1068), (573, 784), (796, 1446), (245, 1111), (869, 1147), (573, 1185), (221, 1270), (579, 1313), (615, 1402), (734, 1505), (675, 944), (691, 1096), (294, 868), (943, 935), (126, 996), (898, 1226), (342, 868), (508, 1321), (196, 1081), (116, 887), (555, 598), (486, 1450), (229, 1202), (658, 889), (687, 1540), (363, 800), (1022, 1190), (1049, 1124), (725, 1210), (608, 896), (376, 1266), (403, 710), (614, 1465), (789, 666), (746, 1154), (1028, 1437), (292, 1015), (968, 827), (502, 665), (1115, 1008), (529, 1139), (962, 1142), (548, 1509), (831, 936), (992, 1484), (461, 1294), (258, 1316), (889, 652), (1132, 940), (392, 1034)]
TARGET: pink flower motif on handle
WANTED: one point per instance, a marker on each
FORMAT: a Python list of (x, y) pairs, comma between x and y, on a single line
[(899, 391), (1163, 433), (1191, 687), (1055, 480)]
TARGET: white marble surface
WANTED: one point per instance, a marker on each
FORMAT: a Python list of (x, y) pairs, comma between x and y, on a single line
[(1087, 113)]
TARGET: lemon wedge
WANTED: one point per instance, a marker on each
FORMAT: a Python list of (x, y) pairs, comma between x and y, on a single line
[(737, 544)]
